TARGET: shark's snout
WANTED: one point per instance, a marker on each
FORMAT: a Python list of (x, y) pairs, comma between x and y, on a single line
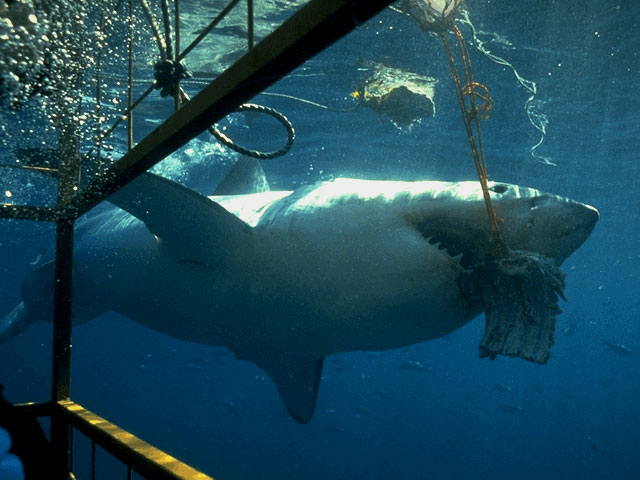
[(573, 222), (590, 217), (580, 221)]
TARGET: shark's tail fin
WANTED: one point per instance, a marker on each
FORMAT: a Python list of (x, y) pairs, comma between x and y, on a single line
[(14, 323)]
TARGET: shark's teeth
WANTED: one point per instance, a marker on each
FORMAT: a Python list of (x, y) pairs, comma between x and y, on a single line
[(434, 242), (438, 244)]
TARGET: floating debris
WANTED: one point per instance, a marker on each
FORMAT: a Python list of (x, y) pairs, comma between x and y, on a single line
[(405, 97), (619, 349), (520, 295), (39, 257), (592, 444)]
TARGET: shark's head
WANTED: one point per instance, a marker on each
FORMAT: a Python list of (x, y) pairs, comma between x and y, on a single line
[(456, 218)]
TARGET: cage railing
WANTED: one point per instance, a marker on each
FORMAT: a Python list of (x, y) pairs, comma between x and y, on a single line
[(137, 455), (308, 31)]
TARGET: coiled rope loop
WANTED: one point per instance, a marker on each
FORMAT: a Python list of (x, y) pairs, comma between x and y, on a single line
[(252, 107)]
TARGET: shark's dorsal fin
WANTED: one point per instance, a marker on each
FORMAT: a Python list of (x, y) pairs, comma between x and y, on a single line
[(181, 218), (297, 378), (246, 176)]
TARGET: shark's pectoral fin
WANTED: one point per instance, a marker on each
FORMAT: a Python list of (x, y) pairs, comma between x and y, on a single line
[(297, 379), (183, 219)]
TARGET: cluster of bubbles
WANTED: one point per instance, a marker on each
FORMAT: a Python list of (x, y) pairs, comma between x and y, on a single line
[(42, 52), (23, 45), (40, 56)]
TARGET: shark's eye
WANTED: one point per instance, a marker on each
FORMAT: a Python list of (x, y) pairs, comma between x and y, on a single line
[(499, 188)]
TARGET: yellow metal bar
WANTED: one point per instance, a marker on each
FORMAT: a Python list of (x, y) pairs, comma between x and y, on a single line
[(143, 458)]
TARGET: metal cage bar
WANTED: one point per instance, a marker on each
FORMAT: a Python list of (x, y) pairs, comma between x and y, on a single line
[(314, 27)]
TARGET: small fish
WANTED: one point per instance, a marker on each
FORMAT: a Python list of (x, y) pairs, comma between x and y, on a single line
[(362, 410), (197, 363), (332, 429), (414, 365), (592, 444), (144, 368), (382, 393), (537, 388), (570, 330), (502, 388), (619, 349), (228, 404), (510, 409)]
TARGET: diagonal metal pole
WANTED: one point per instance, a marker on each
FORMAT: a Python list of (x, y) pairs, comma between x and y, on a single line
[(313, 28)]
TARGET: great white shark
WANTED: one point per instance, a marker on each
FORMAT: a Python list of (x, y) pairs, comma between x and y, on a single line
[(286, 278)]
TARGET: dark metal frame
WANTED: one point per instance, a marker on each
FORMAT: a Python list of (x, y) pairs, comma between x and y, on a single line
[(313, 28)]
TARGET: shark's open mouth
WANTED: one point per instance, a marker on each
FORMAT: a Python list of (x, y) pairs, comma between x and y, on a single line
[(467, 244)]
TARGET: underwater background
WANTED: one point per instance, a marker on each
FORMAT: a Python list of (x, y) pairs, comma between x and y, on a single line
[(433, 410)]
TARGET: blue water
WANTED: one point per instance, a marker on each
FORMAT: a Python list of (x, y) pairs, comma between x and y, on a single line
[(378, 416)]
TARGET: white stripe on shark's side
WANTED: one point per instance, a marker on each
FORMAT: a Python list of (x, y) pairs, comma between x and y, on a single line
[(284, 279), (250, 207)]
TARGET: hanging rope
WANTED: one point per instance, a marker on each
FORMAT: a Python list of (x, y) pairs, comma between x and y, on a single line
[(532, 106), (475, 103)]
